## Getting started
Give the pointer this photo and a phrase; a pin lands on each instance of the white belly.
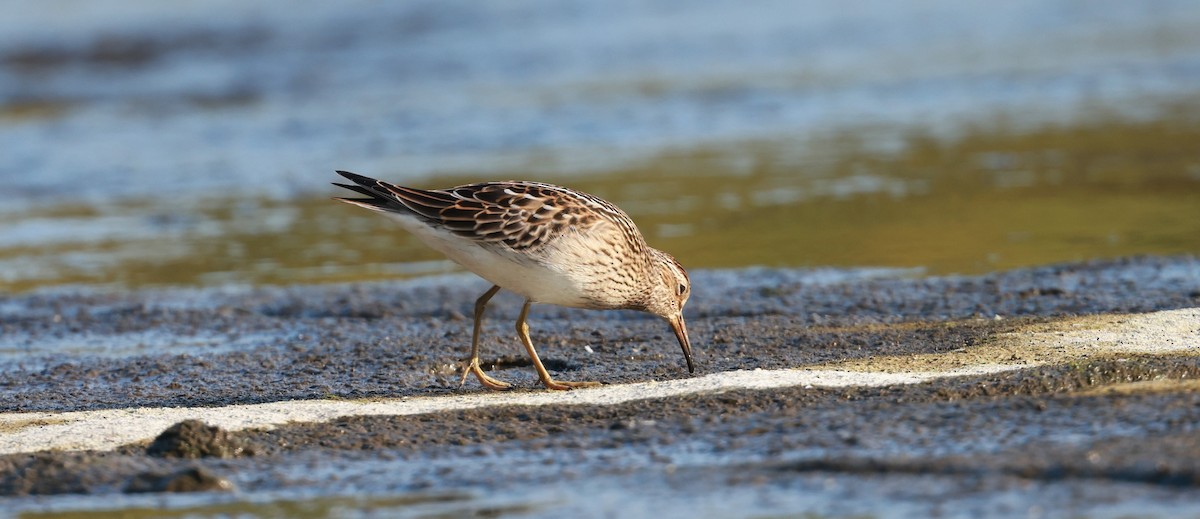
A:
(507, 270)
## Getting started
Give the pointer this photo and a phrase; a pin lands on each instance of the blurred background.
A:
(149, 143)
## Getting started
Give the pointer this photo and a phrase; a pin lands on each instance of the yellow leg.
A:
(550, 383)
(473, 363)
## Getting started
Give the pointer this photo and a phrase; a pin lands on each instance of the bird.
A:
(547, 243)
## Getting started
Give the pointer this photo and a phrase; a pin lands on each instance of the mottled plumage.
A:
(547, 243)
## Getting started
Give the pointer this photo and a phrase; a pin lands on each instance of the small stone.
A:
(191, 439)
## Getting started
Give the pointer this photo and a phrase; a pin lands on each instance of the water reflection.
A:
(148, 144)
(988, 200)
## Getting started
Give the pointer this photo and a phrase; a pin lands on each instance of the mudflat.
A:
(1070, 386)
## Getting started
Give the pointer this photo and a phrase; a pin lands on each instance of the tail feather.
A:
(373, 204)
(361, 180)
(391, 198)
(357, 189)
(379, 199)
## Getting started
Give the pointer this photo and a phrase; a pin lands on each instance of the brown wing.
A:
(521, 215)
(518, 214)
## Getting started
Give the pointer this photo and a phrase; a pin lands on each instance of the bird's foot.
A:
(484, 379)
(559, 385)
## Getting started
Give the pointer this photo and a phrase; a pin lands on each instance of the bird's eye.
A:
(682, 289)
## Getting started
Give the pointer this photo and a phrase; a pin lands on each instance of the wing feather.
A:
(518, 215)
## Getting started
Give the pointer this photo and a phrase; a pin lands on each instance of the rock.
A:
(192, 439)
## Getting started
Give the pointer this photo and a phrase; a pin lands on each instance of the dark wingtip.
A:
(356, 178)
(357, 189)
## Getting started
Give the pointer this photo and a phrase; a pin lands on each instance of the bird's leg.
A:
(550, 383)
(473, 364)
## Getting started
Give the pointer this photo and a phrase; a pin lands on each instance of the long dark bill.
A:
(684, 342)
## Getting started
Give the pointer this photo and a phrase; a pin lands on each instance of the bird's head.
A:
(671, 289)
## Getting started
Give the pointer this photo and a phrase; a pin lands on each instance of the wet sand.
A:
(1083, 426)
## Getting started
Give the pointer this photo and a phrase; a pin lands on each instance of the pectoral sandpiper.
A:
(547, 243)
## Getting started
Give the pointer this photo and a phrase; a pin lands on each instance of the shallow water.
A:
(669, 493)
(193, 145)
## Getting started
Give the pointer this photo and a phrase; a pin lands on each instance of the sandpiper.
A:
(547, 243)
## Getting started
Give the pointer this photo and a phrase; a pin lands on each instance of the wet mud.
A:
(406, 339)
(1045, 424)
(1103, 418)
